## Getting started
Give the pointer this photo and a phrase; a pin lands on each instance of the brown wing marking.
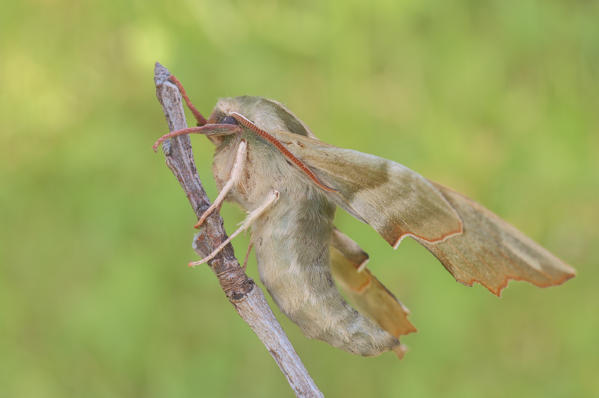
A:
(393, 199)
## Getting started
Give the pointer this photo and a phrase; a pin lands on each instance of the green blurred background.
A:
(497, 99)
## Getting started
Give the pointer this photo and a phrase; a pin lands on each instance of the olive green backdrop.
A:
(497, 99)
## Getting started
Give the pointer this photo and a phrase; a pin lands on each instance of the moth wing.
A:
(393, 199)
(471, 242)
(491, 251)
(365, 291)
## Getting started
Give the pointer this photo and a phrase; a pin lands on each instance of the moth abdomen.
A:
(311, 300)
(294, 265)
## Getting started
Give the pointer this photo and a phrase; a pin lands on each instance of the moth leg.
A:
(254, 214)
(247, 256)
(233, 179)
(200, 119)
(207, 129)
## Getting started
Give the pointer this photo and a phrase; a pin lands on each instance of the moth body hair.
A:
(291, 242)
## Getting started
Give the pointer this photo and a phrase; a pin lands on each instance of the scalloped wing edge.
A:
(492, 252)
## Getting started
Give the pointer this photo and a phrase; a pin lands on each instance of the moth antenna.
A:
(274, 196)
(196, 114)
(248, 123)
(205, 129)
(233, 179)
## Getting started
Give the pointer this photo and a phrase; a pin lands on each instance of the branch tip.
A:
(161, 74)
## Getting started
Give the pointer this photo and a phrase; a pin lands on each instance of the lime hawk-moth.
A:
(290, 183)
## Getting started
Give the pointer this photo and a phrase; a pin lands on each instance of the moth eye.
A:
(228, 120)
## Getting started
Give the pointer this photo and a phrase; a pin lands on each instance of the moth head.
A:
(267, 114)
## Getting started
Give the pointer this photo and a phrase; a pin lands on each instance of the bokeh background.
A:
(496, 99)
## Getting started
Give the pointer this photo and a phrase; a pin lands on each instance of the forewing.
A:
(363, 289)
(471, 242)
(391, 198)
(491, 251)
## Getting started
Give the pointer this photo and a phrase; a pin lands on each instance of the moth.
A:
(290, 184)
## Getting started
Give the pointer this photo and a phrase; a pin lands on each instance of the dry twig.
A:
(242, 292)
